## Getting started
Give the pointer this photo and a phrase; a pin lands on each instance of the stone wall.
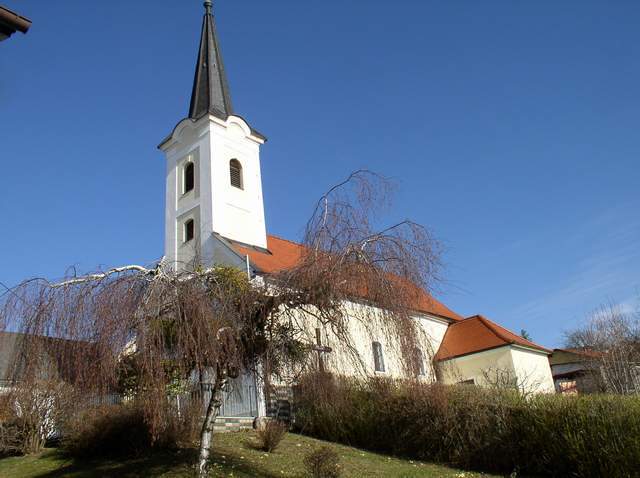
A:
(232, 424)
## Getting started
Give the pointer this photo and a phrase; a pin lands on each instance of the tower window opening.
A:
(189, 177)
(189, 230)
(235, 172)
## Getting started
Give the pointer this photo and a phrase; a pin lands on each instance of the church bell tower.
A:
(213, 180)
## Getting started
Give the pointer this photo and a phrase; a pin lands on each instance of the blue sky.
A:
(511, 129)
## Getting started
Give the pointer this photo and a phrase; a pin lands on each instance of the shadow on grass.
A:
(233, 463)
(150, 465)
(177, 464)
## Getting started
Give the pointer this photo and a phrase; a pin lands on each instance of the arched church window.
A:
(235, 172)
(378, 357)
(189, 177)
(189, 230)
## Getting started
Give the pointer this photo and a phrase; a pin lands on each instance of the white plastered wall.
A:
(366, 324)
(472, 366)
(237, 214)
(189, 142)
(533, 368)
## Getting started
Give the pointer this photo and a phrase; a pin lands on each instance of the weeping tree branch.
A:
(103, 275)
(170, 324)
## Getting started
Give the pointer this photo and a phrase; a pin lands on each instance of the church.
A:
(214, 214)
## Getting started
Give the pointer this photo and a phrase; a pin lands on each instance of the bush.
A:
(29, 416)
(552, 435)
(12, 440)
(323, 463)
(123, 431)
(270, 434)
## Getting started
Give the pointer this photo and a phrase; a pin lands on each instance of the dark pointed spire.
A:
(210, 92)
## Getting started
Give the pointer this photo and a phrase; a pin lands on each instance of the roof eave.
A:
(11, 22)
(541, 351)
(465, 354)
(255, 134)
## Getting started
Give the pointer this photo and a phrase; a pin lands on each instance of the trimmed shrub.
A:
(323, 462)
(270, 434)
(475, 428)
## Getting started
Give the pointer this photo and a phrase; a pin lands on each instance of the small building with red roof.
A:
(576, 370)
(481, 352)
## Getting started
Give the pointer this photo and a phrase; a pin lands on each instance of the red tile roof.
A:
(476, 334)
(464, 336)
(282, 255)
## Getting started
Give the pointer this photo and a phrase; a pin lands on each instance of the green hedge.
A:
(551, 435)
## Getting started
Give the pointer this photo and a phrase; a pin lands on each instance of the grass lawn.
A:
(233, 455)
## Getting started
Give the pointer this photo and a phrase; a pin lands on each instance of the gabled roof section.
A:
(572, 355)
(282, 254)
(58, 354)
(477, 334)
(581, 352)
(210, 94)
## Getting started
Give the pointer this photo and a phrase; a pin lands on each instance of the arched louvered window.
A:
(189, 230)
(420, 362)
(235, 172)
(189, 177)
(378, 357)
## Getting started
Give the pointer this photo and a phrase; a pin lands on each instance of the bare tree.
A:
(166, 325)
(524, 384)
(610, 344)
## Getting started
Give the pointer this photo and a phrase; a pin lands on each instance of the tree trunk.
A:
(206, 435)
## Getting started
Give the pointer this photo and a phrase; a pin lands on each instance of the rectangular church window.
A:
(378, 358)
